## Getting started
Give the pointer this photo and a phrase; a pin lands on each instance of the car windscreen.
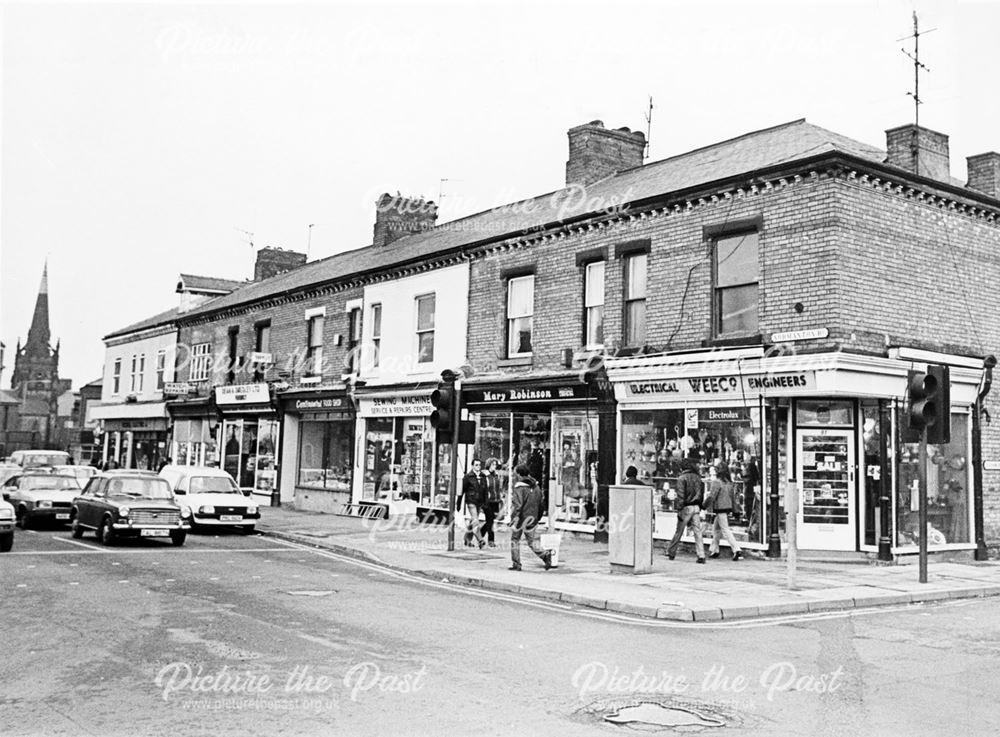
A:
(213, 484)
(45, 459)
(49, 482)
(149, 488)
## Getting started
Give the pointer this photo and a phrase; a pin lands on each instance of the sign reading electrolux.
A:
(398, 405)
(242, 394)
(714, 387)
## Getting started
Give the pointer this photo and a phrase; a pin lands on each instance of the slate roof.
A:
(162, 318)
(752, 151)
(194, 283)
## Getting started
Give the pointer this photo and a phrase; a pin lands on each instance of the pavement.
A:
(680, 590)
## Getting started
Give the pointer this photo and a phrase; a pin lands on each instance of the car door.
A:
(10, 490)
(86, 503)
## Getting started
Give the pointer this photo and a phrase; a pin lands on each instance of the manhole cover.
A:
(661, 712)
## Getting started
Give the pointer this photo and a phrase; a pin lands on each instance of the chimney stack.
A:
(984, 173)
(919, 150)
(596, 152)
(274, 261)
(398, 216)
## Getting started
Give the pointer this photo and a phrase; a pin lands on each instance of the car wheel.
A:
(177, 538)
(6, 542)
(75, 528)
(23, 518)
(105, 533)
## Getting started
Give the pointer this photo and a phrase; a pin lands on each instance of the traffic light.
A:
(443, 416)
(929, 397)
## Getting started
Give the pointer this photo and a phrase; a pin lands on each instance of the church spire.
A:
(38, 333)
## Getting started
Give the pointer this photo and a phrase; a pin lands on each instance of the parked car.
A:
(6, 527)
(129, 504)
(7, 470)
(83, 474)
(30, 458)
(40, 495)
(213, 497)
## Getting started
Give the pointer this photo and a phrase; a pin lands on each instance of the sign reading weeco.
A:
(715, 387)
(242, 394)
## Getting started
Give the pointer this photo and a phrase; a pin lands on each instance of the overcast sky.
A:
(139, 140)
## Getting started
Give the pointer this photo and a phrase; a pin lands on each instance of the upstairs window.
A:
(593, 304)
(116, 377)
(635, 299)
(520, 315)
(737, 276)
(161, 369)
(353, 338)
(376, 333)
(314, 346)
(200, 361)
(262, 344)
(425, 328)
(234, 341)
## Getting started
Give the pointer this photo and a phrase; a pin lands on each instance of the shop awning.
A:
(128, 411)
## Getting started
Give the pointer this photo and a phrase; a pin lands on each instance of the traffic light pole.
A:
(922, 513)
(453, 450)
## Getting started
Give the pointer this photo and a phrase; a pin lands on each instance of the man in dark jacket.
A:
(474, 494)
(526, 510)
(689, 499)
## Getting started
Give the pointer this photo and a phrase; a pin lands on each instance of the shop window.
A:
(200, 360)
(325, 454)
(161, 369)
(593, 304)
(809, 412)
(425, 328)
(872, 433)
(949, 484)
(399, 461)
(635, 299)
(116, 377)
(376, 316)
(575, 467)
(314, 345)
(736, 284)
(493, 443)
(520, 315)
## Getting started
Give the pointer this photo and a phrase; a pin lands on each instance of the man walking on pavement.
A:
(525, 512)
(689, 499)
(474, 492)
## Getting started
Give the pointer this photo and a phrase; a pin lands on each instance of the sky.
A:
(141, 141)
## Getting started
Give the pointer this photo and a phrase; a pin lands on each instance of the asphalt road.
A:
(246, 635)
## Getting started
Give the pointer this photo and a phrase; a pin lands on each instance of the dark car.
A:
(40, 495)
(123, 504)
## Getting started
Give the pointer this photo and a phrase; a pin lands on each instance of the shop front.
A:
(399, 464)
(250, 435)
(551, 425)
(195, 432)
(831, 423)
(134, 434)
(317, 456)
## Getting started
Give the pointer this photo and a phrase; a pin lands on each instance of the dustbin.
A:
(630, 529)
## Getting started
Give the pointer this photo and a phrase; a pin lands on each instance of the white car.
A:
(6, 526)
(40, 496)
(212, 496)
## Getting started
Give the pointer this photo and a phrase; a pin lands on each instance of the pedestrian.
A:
(689, 499)
(474, 494)
(632, 477)
(164, 463)
(720, 500)
(525, 513)
(491, 507)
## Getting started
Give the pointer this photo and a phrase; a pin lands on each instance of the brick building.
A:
(756, 303)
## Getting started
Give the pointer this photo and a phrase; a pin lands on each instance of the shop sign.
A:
(119, 425)
(730, 414)
(726, 386)
(242, 394)
(319, 405)
(793, 335)
(525, 394)
(419, 404)
(259, 357)
(991, 465)
(179, 388)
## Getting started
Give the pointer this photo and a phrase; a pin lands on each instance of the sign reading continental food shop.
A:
(718, 387)
(242, 394)
(319, 405)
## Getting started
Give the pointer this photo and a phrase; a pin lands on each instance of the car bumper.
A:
(123, 529)
(230, 521)
(6, 525)
(55, 514)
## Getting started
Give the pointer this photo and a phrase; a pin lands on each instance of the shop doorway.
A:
(825, 465)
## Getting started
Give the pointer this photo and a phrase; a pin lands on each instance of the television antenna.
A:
(917, 66)
(248, 235)
(649, 126)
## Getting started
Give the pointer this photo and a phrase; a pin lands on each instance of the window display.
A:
(575, 467)
(948, 489)
(399, 460)
(325, 454)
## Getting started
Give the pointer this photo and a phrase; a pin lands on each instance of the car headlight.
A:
(185, 512)
(124, 511)
(6, 514)
(44, 504)
(251, 510)
(207, 509)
